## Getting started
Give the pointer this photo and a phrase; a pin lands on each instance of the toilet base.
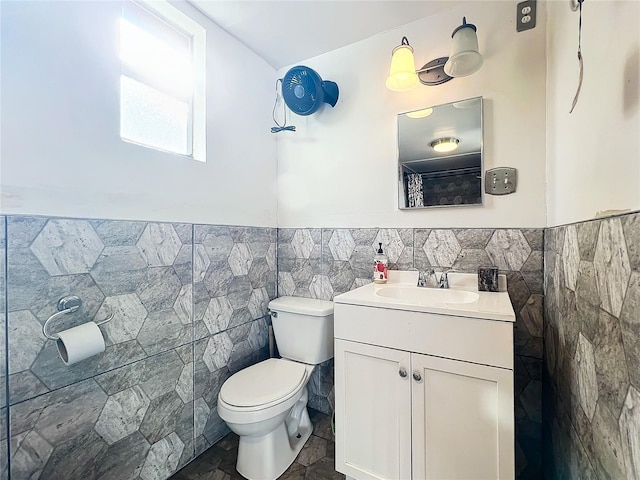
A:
(266, 457)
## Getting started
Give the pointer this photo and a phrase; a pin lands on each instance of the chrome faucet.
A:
(423, 277)
(444, 278)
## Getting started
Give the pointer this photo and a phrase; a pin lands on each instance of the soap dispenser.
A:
(380, 264)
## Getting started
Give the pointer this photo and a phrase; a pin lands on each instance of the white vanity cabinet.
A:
(422, 395)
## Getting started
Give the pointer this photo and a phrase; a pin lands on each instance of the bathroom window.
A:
(162, 84)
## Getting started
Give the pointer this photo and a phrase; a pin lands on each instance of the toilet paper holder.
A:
(67, 305)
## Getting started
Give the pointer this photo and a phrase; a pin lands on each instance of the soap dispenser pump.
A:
(380, 264)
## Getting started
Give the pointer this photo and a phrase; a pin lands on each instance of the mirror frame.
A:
(401, 190)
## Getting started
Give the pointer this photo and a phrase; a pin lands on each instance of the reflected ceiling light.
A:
(402, 74)
(425, 112)
(446, 144)
(465, 59)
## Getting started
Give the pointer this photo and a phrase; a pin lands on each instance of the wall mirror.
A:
(440, 155)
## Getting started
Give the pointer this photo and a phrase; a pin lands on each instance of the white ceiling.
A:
(285, 32)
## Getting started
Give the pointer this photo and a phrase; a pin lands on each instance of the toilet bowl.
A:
(266, 403)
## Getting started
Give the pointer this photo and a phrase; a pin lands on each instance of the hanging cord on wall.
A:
(280, 127)
(580, 61)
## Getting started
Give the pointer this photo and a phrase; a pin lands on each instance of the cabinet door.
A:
(373, 411)
(462, 420)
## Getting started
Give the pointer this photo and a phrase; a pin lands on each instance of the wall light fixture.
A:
(463, 60)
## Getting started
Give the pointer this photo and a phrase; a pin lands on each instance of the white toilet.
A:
(266, 403)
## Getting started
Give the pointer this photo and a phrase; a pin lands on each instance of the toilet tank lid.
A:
(301, 305)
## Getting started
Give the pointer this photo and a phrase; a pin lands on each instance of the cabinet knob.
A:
(402, 373)
(417, 377)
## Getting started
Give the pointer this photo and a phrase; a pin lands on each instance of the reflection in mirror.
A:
(440, 155)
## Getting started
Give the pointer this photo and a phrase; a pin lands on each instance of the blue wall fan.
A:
(304, 91)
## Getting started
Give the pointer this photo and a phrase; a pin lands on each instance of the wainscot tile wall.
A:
(592, 350)
(190, 305)
(322, 263)
(4, 446)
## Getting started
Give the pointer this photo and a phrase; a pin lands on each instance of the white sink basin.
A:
(426, 296)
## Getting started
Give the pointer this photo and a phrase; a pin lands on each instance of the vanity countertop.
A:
(462, 299)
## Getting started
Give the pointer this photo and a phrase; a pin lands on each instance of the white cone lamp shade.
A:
(402, 75)
(465, 58)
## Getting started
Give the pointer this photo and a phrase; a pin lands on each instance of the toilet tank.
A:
(303, 328)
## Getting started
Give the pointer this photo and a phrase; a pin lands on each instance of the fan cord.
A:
(280, 127)
(580, 60)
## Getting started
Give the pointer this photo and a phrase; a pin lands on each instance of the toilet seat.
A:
(264, 384)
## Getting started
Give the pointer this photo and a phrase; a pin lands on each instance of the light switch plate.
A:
(500, 181)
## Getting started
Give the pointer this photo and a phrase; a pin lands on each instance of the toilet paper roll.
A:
(78, 343)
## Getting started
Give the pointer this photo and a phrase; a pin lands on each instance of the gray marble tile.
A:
(62, 414)
(313, 450)
(163, 458)
(629, 424)
(341, 276)
(258, 303)
(393, 243)
(473, 238)
(607, 445)
(586, 380)
(25, 385)
(442, 248)
(84, 449)
(611, 266)
(217, 278)
(361, 262)
(183, 265)
(631, 229)
(571, 258)
(508, 249)
(630, 327)
(217, 241)
(218, 314)
(470, 259)
(122, 414)
(321, 287)
(29, 455)
(22, 231)
(119, 269)
(183, 306)
(123, 459)
(55, 374)
(129, 316)
(26, 277)
(302, 243)
(341, 244)
(587, 238)
(67, 246)
(530, 399)
(159, 244)
(118, 232)
(162, 417)
(26, 340)
(240, 259)
(163, 330)
(532, 315)
(535, 237)
(159, 289)
(201, 262)
(612, 373)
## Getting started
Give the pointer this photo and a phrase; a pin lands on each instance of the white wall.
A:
(340, 168)
(61, 150)
(593, 154)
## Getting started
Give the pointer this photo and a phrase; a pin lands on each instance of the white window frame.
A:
(197, 35)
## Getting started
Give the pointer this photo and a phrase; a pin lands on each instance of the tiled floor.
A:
(315, 461)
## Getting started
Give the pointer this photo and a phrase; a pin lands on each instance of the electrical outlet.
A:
(526, 15)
